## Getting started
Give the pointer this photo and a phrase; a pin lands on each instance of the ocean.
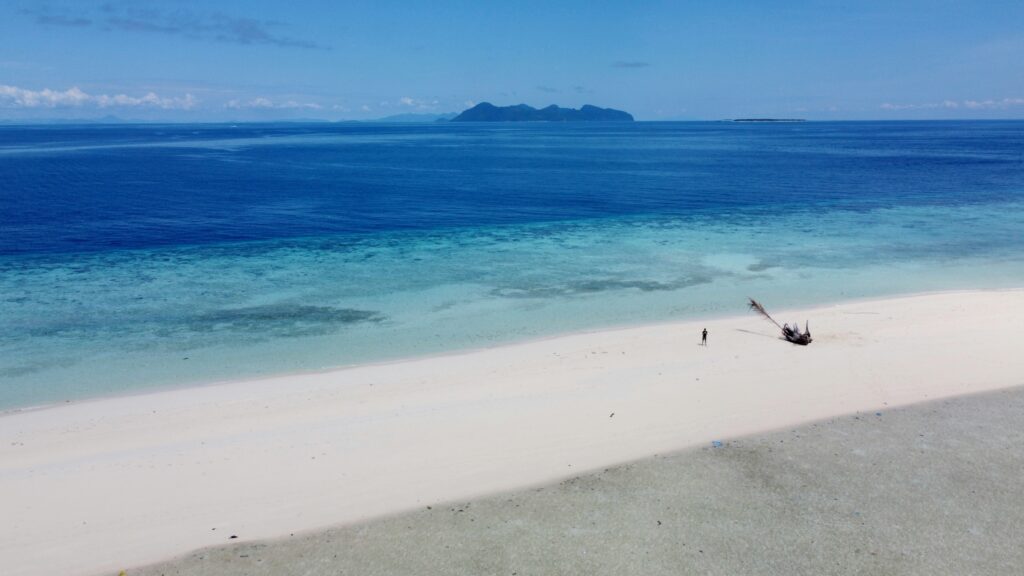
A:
(135, 257)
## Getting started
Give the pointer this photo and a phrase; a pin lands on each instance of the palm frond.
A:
(757, 307)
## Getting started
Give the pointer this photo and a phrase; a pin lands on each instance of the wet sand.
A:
(936, 488)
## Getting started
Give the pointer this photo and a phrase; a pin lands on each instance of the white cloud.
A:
(364, 108)
(994, 104)
(150, 99)
(953, 105)
(74, 97)
(261, 103)
(46, 98)
(418, 104)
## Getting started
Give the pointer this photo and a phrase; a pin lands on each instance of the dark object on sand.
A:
(790, 333)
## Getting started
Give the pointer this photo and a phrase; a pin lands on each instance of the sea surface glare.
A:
(143, 256)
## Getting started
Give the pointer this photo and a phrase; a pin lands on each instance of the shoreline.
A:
(4, 412)
(106, 484)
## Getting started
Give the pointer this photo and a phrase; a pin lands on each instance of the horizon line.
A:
(382, 120)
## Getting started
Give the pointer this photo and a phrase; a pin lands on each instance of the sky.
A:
(234, 60)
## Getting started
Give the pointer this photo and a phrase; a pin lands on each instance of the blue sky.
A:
(185, 60)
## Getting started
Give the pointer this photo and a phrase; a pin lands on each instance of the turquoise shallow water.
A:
(129, 320)
(140, 257)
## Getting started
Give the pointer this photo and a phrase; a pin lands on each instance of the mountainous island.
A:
(487, 112)
(417, 118)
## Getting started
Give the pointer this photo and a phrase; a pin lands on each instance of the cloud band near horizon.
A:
(74, 97)
(989, 104)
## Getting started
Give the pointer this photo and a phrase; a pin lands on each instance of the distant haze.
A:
(221, 60)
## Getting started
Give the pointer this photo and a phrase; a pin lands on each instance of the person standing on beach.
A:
(704, 337)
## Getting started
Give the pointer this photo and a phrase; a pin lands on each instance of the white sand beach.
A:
(98, 486)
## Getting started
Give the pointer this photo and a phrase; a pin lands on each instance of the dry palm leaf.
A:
(756, 306)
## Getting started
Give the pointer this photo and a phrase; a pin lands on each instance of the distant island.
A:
(768, 120)
(487, 112)
(417, 118)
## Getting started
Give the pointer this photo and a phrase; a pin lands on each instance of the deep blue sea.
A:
(142, 256)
